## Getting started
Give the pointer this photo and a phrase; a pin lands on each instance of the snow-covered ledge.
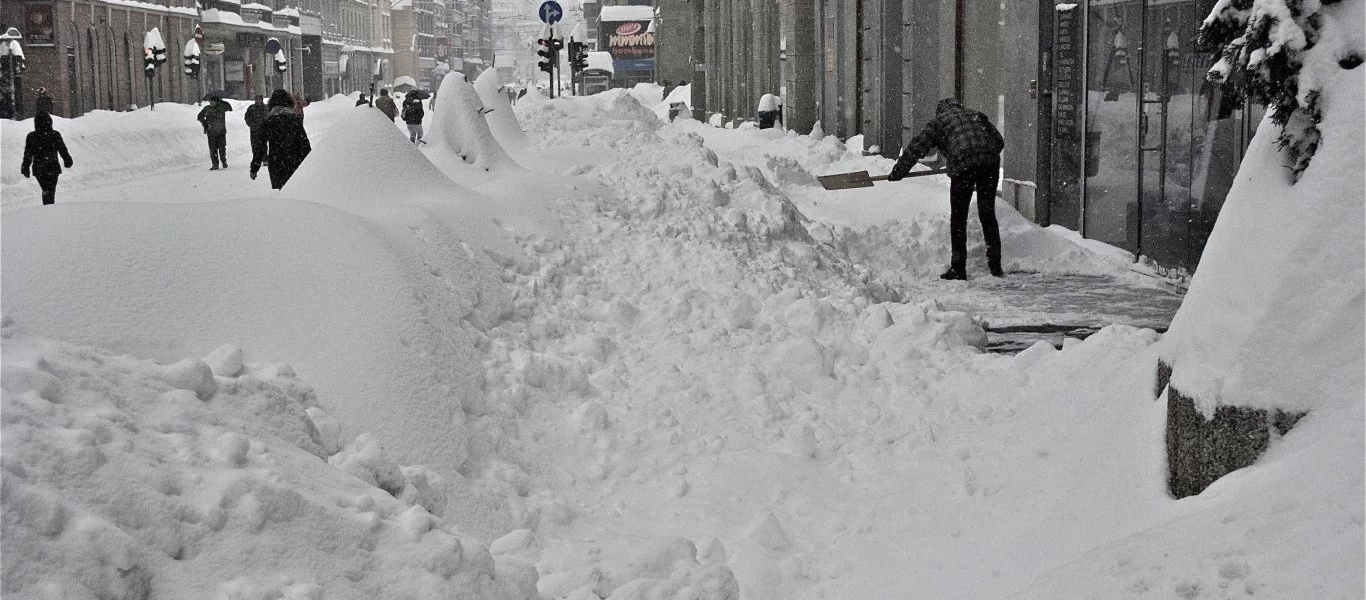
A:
(1272, 328)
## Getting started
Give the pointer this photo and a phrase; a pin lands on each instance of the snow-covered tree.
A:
(1264, 47)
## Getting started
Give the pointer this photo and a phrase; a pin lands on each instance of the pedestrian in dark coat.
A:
(41, 149)
(972, 146)
(413, 115)
(286, 141)
(213, 118)
(386, 105)
(363, 101)
(256, 115)
(44, 102)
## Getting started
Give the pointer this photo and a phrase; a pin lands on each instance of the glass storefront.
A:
(1162, 144)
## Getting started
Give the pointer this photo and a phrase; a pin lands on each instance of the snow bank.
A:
(1274, 316)
(376, 315)
(460, 141)
(502, 121)
(152, 488)
(366, 166)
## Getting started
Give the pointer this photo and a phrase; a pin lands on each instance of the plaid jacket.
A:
(966, 138)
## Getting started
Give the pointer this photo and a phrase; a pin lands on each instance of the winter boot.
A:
(995, 266)
(954, 274)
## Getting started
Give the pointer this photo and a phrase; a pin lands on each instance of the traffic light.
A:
(578, 56)
(547, 53)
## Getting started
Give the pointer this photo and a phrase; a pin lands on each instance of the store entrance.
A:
(1161, 144)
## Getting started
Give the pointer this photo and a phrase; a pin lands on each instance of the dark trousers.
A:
(218, 148)
(258, 145)
(48, 183)
(982, 180)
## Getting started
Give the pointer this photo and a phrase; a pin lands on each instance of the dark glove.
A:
(253, 174)
(898, 173)
(24, 171)
(69, 162)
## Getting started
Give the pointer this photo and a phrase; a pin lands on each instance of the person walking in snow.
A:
(256, 115)
(413, 115)
(44, 102)
(972, 146)
(386, 105)
(286, 142)
(363, 101)
(41, 149)
(213, 117)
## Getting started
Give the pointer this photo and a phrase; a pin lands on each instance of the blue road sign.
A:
(550, 12)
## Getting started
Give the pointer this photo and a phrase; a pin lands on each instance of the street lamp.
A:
(11, 49)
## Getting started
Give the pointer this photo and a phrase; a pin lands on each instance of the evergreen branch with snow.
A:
(1262, 46)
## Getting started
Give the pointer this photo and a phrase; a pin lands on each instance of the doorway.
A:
(1161, 143)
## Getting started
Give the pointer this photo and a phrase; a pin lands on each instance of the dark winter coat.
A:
(386, 105)
(966, 139)
(41, 149)
(256, 114)
(213, 116)
(413, 113)
(286, 145)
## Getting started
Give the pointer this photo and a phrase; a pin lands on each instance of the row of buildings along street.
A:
(88, 54)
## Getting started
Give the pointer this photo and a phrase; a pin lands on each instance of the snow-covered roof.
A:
(148, 6)
(626, 13)
(214, 15)
(600, 60)
(260, 7)
(288, 12)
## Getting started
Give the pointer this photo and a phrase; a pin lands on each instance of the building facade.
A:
(89, 56)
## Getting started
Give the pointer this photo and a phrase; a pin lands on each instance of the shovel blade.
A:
(844, 181)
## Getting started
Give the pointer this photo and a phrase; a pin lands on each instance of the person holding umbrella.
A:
(413, 114)
(213, 118)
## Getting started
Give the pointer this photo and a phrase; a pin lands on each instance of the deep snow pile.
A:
(502, 122)
(1278, 300)
(460, 141)
(381, 319)
(125, 478)
(688, 392)
(392, 179)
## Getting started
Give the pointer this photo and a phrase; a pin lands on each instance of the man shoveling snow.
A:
(972, 146)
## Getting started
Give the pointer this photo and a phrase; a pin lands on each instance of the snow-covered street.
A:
(610, 357)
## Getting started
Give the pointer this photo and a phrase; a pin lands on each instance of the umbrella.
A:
(418, 95)
(215, 95)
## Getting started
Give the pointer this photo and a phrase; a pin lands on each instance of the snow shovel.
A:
(860, 179)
